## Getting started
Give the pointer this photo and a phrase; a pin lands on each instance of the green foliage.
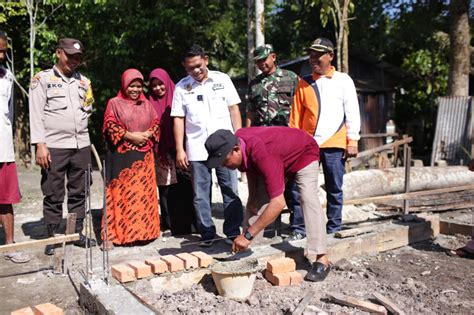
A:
(145, 34)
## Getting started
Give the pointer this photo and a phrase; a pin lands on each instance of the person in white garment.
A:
(10, 191)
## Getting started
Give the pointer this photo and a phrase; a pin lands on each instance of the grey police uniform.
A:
(59, 110)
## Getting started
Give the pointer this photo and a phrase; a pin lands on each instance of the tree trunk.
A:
(344, 27)
(251, 70)
(259, 25)
(32, 11)
(459, 63)
(259, 22)
(345, 50)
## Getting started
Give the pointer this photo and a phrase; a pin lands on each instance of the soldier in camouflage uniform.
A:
(270, 96)
(271, 92)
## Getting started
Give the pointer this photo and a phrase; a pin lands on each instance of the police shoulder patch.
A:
(34, 82)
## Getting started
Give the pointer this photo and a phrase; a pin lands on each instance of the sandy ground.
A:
(421, 278)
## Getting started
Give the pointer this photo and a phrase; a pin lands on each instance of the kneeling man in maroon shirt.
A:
(271, 154)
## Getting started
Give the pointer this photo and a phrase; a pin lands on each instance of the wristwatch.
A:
(248, 236)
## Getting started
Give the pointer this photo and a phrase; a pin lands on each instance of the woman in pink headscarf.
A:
(176, 193)
(131, 129)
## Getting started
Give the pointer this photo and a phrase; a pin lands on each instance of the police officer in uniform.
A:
(60, 104)
(270, 95)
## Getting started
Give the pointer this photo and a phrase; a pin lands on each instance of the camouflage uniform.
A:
(270, 97)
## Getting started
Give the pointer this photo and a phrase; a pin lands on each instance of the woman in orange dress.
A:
(131, 129)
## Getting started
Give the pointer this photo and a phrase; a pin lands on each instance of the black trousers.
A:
(72, 164)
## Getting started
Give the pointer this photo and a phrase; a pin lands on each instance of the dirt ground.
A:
(419, 278)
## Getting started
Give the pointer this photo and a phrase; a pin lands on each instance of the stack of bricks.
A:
(134, 270)
(41, 309)
(282, 272)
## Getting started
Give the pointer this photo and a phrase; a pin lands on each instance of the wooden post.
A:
(407, 158)
(70, 229)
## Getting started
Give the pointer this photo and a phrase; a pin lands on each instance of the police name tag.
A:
(217, 86)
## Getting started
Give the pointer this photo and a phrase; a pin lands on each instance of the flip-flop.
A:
(17, 257)
(461, 252)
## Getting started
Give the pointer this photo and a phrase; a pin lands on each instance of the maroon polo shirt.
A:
(275, 153)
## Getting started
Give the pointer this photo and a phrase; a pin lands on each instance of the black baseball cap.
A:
(70, 45)
(322, 44)
(218, 145)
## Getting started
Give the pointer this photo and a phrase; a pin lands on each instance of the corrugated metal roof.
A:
(453, 130)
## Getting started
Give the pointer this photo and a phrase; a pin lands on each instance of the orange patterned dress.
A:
(131, 196)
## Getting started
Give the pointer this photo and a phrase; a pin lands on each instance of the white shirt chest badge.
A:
(217, 86)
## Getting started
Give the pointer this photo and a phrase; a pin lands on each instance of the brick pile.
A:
(133, 270)
(282, 272)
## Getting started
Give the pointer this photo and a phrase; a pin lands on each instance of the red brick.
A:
(189, 260)
(47, 309)
(157, 265)
(281, 265)
(295, 278)
(141, 269)
(204, 259)
(123, 273)
(280, 279)
(173, 262)
(23, 311)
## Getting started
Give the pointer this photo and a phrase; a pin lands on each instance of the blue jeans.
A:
(332, 160)
(201, 178)
(292, 197)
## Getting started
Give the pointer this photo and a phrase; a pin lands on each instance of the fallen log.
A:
(373, 182)
(410, 195)
(359, 304)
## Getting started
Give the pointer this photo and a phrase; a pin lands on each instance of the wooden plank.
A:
(451, 227)
(359, 304)
(403, 196)
(450, 206)
(71, 220)
(378, 135)
(303, 303)
(368, 153)
(393, 236)
(389, 304)
(39, 243)
(359, 231)
(406, 202)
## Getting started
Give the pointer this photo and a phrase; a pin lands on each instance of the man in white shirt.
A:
(10, 192)
(204, 102)
(326, 107)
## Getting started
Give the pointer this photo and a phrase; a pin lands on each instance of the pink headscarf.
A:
(163, 109)
(128, 76)
(132, 115)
